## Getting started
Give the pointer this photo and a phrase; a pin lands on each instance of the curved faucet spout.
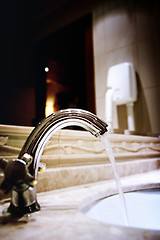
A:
(35, 145)
(47, 127)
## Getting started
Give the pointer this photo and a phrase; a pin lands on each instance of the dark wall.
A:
(17, 70)
(26, 26)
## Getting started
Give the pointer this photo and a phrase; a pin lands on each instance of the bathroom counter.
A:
(61, 217)
(79, 173)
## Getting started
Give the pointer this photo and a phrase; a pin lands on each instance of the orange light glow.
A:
(49, 109)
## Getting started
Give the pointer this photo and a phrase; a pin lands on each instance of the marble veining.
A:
(61, 217)
(78, 173)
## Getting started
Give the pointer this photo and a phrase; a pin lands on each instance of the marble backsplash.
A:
(76, 157)
(71, 147)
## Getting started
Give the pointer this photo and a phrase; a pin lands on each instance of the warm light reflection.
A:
(49, 109)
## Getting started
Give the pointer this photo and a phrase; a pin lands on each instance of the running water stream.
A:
(108, 148)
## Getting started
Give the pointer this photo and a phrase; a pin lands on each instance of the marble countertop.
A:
(61, 217)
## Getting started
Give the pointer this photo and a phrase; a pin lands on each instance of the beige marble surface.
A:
(57, 178)
(61, 217)
(70, 147)
(76, 157)
(79, 173)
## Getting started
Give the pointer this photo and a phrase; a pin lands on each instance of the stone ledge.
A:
(67, 147)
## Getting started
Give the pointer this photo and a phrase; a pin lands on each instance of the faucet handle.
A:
(15, 173)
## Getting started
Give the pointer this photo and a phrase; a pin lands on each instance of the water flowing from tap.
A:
(108, 148)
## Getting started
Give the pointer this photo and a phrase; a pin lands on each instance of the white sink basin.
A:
(143, 209)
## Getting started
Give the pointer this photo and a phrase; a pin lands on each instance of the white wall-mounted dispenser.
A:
(121, 89)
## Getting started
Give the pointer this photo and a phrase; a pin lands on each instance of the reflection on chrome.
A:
(21, 174)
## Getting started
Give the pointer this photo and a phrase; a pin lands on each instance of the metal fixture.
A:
(20, 175)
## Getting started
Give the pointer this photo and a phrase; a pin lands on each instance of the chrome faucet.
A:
(20, 175)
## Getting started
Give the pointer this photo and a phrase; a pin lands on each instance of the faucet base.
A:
(20, 211)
